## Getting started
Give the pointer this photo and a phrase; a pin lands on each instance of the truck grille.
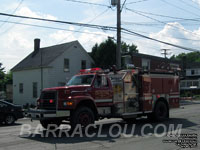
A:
(48, 100)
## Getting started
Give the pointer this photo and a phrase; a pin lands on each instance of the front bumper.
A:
(38, 114)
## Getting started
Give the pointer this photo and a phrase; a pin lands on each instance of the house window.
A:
(146, 64)
(196, 83)
(21, 88)
(189, 83)
(35, 87)
(66, 65)
(192, 72)
(183, 84)
(83, 64)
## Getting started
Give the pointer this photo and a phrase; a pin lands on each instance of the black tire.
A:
(161, 111)
(83, 116)
(9, 119)
(46, 123)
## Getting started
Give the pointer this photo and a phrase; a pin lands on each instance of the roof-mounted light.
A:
(91, 70)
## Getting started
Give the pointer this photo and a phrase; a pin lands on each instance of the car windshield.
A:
(81, 80)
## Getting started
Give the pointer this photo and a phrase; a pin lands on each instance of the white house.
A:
(47, 67)
(190, 84)
(192, 77)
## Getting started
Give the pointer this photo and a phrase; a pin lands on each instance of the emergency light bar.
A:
(91, 70)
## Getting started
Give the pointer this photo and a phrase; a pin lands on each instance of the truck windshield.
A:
(81, 80)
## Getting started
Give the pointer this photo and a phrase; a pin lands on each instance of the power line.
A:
(162, 22)
(90, 3)
(136, 2)
(156, 24)
(89, 21)
(165, 53)
(123, 5)
(64, 22)
(110, 28)
(180, 38)
(185, 10)
(12, 12)
(188, 4)
(151, 24)
(48, 27)
(163, 42)
(165, 16)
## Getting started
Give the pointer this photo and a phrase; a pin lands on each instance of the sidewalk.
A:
(189, 102)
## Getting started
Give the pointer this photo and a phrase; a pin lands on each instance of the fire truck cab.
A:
(94, 94)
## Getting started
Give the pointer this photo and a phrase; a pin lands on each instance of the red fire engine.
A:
(94, 94)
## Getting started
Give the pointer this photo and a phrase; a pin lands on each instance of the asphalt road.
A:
(188, 116)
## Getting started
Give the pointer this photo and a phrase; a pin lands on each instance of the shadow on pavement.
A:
(139, 124)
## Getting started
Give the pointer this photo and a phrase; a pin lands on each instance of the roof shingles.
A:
(48, 55)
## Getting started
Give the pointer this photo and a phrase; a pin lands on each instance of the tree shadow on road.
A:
(143, 127)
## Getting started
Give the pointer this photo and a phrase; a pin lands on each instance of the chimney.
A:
(36, 47)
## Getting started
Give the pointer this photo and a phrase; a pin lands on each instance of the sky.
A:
(172, 21)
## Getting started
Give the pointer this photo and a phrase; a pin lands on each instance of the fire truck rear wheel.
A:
(50, 124)
(83, 116)
(161, 111)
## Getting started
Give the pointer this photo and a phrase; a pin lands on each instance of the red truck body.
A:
(93, 94)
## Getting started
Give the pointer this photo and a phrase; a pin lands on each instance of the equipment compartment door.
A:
(148, 86)
(130, 94)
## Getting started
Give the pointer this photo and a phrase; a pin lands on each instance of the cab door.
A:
(103, 90)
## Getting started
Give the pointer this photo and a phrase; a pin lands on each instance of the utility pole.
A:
(165, 53)
(118, 50)
(41, 62)
(117, 3)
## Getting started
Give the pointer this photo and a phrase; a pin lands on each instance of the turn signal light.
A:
(68, 103)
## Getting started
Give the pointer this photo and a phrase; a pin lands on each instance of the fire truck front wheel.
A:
(83, 116)
(161, 111)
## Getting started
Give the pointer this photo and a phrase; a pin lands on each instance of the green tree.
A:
(189, 57)
(104, 54)
(2, 76)
(8, 78)
(126, 48)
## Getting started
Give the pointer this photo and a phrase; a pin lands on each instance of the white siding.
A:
(193, 72)
(75, 55)
(27, 77)
(190, 84)
(51, 76)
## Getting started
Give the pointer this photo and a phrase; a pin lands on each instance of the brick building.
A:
(152, 63)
